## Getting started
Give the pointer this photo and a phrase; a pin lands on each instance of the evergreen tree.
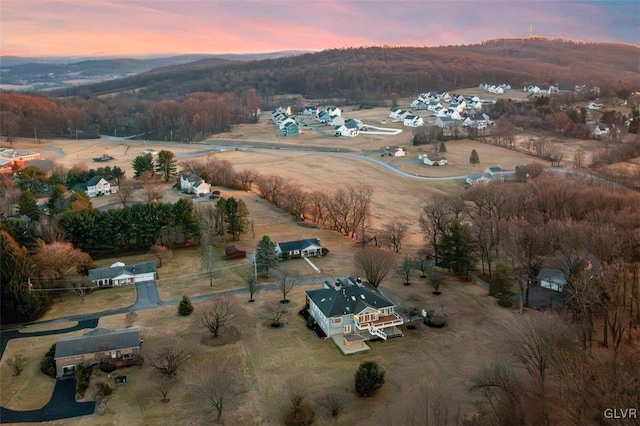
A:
(474, 158)
(57, 203)
(18, 303)
(143, 163)
(80, 201)
(27, 205)
(236, 218)
(266, 254)
(369, 378)
(443, 147)
(166, 165)
(185, 308)
(457, 248)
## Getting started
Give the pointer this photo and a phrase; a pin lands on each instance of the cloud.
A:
(137, 27)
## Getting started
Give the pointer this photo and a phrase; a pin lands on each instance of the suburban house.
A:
(194, 184)
(474, 178)
(334, 111)
(354, 311)
(100, 344)
(349, 128)
(433, 160)
(600, 130)
(552, 279)
(495, 172)
(323, 117)
(120, 274)
(446, 123)
(97, 186)
(478, 121)
(310, 110)
(290, 128)
(284, 122)
(395, 151)
(412, 120)
(300, 248)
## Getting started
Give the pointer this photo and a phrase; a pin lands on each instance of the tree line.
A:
(189, 118)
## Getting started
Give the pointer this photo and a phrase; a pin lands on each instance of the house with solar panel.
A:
(351, 312)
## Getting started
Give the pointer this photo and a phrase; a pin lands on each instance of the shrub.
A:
(369, 378)
(82, 376)
(17, 364)
(107, 367)
(185, 308)
(48, 364)
(103, 389)
(311, 322)
(436, 319)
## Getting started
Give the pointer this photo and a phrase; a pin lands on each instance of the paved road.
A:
(62, 405)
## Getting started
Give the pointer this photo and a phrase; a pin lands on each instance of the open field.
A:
(441, 361)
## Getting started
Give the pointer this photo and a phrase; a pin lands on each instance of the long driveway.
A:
(62, 405)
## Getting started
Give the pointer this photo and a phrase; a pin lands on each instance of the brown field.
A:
(438, 362)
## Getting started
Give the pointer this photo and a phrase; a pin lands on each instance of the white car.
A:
(150, 151)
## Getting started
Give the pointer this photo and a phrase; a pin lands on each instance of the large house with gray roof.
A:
(120, 274)
(100, 344)
(97, 186)
(354, 309)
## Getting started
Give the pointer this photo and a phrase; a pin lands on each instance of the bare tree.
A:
(151, 185)
(246, 178)
(125, 191)
(169, 360)
(252, 286)
(422, 258)
(405, 268)
(81, 287)
(374, 264)
(501, 390)
(434, 219)
(217, 386)
(393, 234)
(435, 277)
(220, 313)
(130, 318)
(271, 187)
(164, 385)
(161, 253)
(58, 258)
(285, 285)
(17, 364)
(275, 313)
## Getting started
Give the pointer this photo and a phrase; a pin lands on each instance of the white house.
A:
(334, 111)
(395, 151)
(345, 130)
(601, 130)
(282, 124)
(411, 120)
(300, 248)
(310, 110)
(446, 122)
(477, 121)
(353, 308)
(594, 106)
(193, 184)
(119, 274)
(433, 160)
(97, 186)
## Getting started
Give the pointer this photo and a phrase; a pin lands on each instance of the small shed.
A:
(233, 252)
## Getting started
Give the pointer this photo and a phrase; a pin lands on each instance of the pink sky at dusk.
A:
(161, 27)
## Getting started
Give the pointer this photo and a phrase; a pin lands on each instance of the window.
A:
(347, 328)
(337, 320)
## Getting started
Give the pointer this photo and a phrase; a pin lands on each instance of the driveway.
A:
(146, 294)
(62, 405)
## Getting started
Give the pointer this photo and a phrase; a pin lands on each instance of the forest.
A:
(191, 101)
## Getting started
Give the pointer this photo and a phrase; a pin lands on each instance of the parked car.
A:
(120, 379)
